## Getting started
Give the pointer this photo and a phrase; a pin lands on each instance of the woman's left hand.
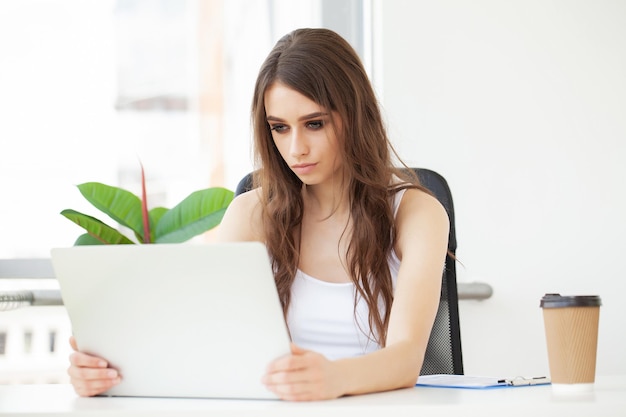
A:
(303, 376)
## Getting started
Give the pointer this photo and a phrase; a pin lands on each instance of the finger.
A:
(81, 359)
(292, 391)
(73, 343)
(92, 374)
(297, 350)
(94, 387)
(287, 364)
(301, 359)
(286, 378)
(288, 361)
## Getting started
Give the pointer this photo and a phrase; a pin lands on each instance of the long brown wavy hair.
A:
(322, 66)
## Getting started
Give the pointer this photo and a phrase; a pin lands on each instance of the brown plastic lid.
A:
(560, 301)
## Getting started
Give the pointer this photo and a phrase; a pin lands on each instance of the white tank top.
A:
(322, 317)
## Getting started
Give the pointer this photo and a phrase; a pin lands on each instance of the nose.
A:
(298, 145)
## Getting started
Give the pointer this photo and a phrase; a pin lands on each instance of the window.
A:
(92, 87)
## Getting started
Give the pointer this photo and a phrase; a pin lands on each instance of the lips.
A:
(302, 169)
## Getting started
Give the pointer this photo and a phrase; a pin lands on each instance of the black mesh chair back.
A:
(443, 353)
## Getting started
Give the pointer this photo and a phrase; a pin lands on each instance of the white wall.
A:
(521, 105)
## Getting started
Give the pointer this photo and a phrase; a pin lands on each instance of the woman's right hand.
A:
(89, 374)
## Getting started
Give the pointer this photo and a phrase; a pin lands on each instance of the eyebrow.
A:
(305, 117)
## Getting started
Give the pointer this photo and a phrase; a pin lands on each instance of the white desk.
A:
(608, 399)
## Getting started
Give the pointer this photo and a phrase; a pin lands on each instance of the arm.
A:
(422, 225)
(422, 244)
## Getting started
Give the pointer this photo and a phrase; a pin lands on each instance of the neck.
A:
(325, 201)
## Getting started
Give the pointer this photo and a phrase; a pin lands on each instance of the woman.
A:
(357, 249)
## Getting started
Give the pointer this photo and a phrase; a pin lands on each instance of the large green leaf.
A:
(122, 206)
(200, 211)
(155, 215)
(87, 239)
(96, 228)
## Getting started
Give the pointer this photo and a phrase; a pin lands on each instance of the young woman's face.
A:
(304, 134)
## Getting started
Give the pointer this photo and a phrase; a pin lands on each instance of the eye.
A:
(315, 124)
(278, 128)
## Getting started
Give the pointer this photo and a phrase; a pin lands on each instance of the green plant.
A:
(201, 211)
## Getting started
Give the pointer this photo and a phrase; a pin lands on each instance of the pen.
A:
(538, 380)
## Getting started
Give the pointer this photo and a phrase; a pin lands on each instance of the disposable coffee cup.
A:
(571, 326)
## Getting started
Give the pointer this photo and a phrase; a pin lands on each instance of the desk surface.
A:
(607, 399)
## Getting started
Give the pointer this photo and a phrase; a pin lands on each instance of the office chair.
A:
(443, 352)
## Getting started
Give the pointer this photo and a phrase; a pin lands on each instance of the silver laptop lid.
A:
(177, 320)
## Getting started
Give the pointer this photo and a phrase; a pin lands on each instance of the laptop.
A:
(176, 320)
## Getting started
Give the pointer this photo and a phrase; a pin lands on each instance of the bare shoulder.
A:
(419, 204)
(248, 200)
(421, 217)
(242, 220)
